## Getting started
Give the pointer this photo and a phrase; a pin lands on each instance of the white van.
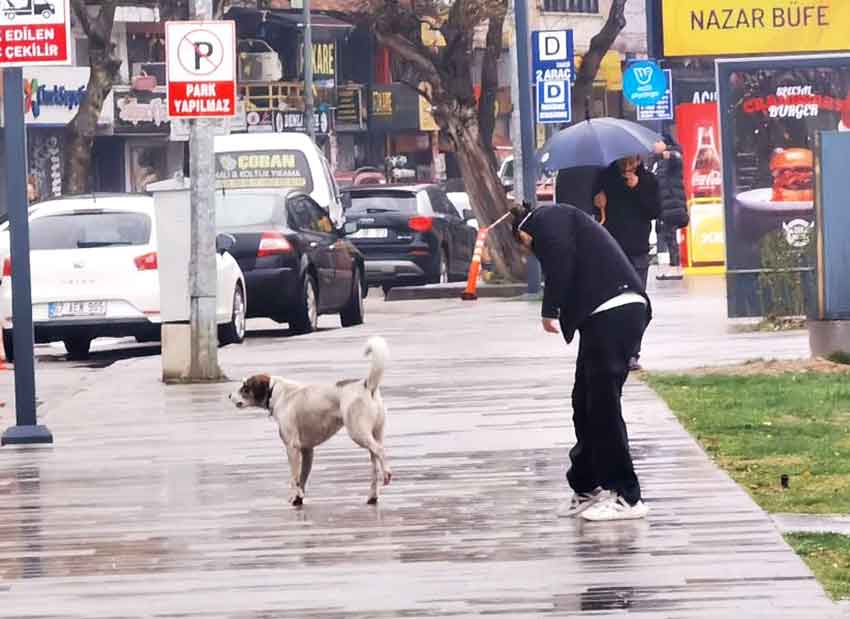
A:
(277, 161)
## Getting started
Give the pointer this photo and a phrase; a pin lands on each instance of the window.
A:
(319, 220)
(571, 6)
(89, 229)
(382, 202)
(237, 209)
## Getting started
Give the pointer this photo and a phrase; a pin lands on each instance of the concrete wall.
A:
(585, 26)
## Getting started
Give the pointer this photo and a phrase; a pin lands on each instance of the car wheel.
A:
(306, 317)
(78, 347)
(352, 313)
(8, 346)
(234, 331)
(47, 13)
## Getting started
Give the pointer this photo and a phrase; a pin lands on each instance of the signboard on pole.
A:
(644, 83)
(201, 69)
(554, 102)
(33, 33)
(553, 68)
(663, 110)
(553, 56)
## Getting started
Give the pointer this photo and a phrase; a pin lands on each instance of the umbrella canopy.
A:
(596, 142)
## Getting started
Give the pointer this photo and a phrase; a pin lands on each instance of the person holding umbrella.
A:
(610, 314)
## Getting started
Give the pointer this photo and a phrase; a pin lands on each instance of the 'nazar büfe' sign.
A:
(733, 27)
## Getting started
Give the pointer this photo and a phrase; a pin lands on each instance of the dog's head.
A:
(255, 391)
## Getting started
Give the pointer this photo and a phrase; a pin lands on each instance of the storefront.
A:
(52, 98)
(141, 122)
(401, 119)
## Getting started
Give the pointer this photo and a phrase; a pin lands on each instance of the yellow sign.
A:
(382, 103)
(728, 27)
(324, 59)
(610, 70)
(431, 35)
(706, 237)
(426, 117)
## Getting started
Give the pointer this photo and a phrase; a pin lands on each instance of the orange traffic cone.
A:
(475, 267)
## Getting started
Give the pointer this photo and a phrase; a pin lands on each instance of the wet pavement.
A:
(168, 502)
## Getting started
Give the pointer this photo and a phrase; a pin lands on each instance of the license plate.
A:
(70, 309)
(370, 233)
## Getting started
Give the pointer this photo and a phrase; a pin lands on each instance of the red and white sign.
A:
(201, 69)
(35, 32)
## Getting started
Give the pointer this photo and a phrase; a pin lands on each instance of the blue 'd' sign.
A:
(644, 83)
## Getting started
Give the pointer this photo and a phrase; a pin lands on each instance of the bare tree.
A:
(448, 69)
(97, 20)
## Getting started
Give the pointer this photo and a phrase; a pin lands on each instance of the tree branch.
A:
(406, 50)
(602, 42)
(80, 10)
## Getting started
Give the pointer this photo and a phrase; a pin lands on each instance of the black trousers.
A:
(601, 454)
(641, 264)
(668, 234)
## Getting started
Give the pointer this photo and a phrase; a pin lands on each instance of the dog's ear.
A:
(258, 387)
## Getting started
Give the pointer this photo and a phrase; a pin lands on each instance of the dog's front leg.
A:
(296, 496)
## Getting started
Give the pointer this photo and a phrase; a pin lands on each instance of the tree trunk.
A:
(486, 193)
(490, 85)
(591, 61)
(82, 129)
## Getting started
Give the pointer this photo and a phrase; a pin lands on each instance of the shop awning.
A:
(249, 20)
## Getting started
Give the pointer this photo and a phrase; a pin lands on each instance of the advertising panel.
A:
(771, 111)
(698, 134)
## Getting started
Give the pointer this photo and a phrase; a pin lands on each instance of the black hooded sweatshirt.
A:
(630, 212)
(583, 265)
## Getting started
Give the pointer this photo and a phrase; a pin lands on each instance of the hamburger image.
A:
(793, 175)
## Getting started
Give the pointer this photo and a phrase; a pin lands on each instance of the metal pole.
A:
(529, 166)
(308, 71)
(26, 430)
(203, 364)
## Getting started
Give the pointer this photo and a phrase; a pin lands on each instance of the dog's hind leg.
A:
(306, 466)
(373, 487)
(296, 496)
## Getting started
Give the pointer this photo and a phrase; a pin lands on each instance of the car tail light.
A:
(420, 224)
(7, 267)
(273, 244)
(148, 262)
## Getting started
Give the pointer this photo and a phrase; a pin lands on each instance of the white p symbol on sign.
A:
(553, 46)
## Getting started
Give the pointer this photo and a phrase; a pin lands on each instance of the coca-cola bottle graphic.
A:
(706, 180)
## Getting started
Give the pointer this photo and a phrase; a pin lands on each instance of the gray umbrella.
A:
(596, 142)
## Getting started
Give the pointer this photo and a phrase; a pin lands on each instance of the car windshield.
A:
(237, 209)
(381, 202)
(267, 169)
(88, 229)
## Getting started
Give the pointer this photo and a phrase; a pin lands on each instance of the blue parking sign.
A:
(663, 110)
(552, 56)
(644, 83)
(554, 101)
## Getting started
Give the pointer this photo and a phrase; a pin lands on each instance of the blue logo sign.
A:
(553, 102)
(553, 56)
(663, 110)
(644, 83)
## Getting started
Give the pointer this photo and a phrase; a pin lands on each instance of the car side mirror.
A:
(224, 243)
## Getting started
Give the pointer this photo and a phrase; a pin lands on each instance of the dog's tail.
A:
(378, 351)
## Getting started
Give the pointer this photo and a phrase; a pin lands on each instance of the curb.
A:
(454, 291)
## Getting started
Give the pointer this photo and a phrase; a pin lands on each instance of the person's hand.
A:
(600, 200)
(631, 179)
(550, 325)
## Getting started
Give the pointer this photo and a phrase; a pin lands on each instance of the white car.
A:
(94, 274)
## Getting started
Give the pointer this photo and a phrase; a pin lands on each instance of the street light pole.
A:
(308, 71)
(529, 167)
(26, 430)
(203, 360)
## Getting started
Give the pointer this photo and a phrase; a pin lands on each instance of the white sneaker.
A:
(581, 501)
(615, 508)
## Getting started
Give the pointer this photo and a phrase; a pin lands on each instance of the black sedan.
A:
(410, 235)
(296, 264)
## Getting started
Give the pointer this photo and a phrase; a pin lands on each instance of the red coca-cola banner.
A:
(698, 134)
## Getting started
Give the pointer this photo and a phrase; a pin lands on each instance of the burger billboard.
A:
(771, 110)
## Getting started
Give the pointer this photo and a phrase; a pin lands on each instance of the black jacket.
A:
(574, 186)
(671, 189)
(582, 263)
(630, 212)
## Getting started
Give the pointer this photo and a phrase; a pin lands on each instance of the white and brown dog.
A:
(309, 415)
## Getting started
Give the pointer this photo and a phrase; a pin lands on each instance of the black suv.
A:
(409, 235)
